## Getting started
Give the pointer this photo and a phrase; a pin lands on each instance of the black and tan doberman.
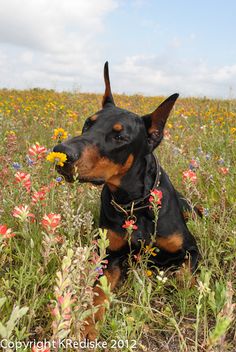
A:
(116, 149)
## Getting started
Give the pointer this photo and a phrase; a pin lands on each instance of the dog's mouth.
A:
(67, 172)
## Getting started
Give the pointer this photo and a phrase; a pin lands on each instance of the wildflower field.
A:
(49, 236)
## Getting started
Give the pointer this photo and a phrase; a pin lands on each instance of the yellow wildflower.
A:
(151, 250)
(233, 130)
(10, 133)
(130, 319)
(72, 114)
(57, 158)
(149, 273)
(59, 134)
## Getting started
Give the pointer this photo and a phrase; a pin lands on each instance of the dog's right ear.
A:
(107, 97)
(155, 122)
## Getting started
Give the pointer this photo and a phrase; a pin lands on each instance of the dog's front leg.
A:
(113, 273)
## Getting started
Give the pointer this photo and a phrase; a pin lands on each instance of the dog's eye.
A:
(121, 137)
(118, 137)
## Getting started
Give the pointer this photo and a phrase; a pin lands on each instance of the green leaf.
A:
(17, 314)
(220, 329)
(3, 331)
(2, 301)
(88, 312)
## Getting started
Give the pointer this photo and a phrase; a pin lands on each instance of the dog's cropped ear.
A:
(155, 122)
(107, 97)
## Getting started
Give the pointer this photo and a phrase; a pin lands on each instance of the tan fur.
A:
(93, 118)
(171, 244)
(117, 127)
(92, 165)
(90, 331)
(116, 241)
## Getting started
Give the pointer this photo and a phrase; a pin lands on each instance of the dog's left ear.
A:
(107, 97)
(155, 122)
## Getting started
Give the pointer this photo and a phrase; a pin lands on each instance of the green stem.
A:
(199, 305)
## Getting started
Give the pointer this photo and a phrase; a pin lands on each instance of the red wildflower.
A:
(24, 179)
(95, 258)
(224, 170)
(47, 188)
(5, 232)
(156, 197)
(190, 176)
(167, 135)
(22, 212)
(22, 176)
(60, 299)
(27, 185)
(39, 196)
(59, 239)
(51, 222)
(130, 225)
(138, 257)
(37, 151)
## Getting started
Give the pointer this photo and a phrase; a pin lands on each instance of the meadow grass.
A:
(47, 274)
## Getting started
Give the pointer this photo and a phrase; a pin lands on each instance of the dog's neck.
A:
(138, 181)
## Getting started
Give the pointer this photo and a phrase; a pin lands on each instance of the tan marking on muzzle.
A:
(91, 165)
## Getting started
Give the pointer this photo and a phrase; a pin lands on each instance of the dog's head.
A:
(112, 140)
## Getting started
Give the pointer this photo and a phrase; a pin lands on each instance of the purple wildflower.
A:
(16, 165)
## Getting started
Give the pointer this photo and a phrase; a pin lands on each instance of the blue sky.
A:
(204, 29)
(153, 47)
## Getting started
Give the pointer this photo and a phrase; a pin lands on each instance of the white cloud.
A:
(49, 25)
(51, 43)
(225, 73)
(176, 42)
(163, 75)
(61, 44)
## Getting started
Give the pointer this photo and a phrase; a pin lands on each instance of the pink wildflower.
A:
(190, 175)
(60, 299)
(138, 257)
(130, 225)
(22, 176)
(156, 197)
(167, 135)
(22, 212)
(5, 232)
(37, 151)
(224, 170)
(51, 222)
(24, 179)
(95, 258)
(59, 239)
(39, 196)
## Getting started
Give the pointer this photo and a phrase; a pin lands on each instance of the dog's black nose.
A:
(63, 148)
